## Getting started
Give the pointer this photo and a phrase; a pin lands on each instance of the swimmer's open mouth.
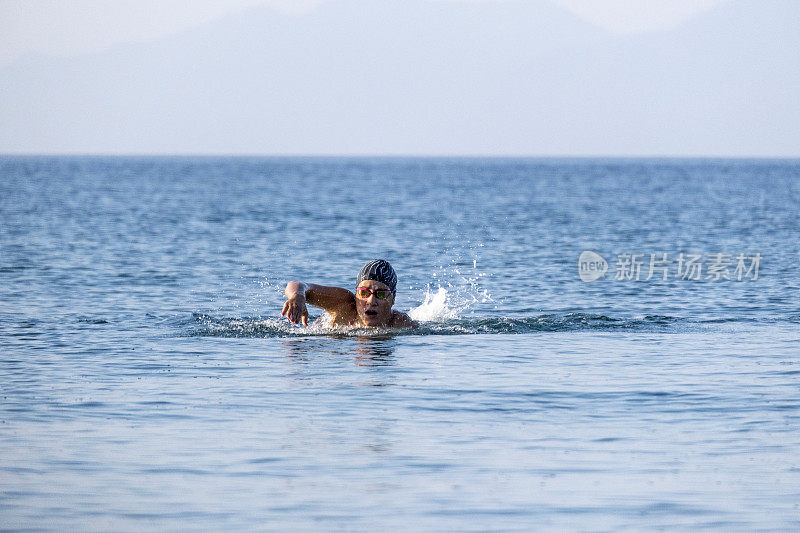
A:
(370, 313)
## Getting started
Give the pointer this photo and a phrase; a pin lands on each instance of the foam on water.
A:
(204, 325)
(441, 312)
(434, 308)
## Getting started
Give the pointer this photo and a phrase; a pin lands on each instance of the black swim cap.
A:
(378, 270)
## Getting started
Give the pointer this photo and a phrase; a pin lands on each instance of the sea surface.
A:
(148, 382)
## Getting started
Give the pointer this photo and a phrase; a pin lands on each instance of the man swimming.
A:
(370, 306)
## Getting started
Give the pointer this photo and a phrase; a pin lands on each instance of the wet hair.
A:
(378, 270)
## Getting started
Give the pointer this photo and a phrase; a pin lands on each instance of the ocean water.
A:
(147, 381)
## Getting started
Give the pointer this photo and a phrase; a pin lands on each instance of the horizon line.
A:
(298, 155)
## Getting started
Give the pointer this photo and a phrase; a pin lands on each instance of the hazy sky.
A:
(70, 27)
(423, 77)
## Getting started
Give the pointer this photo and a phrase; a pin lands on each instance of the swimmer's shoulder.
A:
(344, 317)
(402, 320)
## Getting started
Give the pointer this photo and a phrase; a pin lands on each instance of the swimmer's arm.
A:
(334, 300)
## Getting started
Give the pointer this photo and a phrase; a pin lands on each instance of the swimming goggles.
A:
(380, 294)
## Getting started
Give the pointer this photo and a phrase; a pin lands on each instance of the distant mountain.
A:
(422, 77)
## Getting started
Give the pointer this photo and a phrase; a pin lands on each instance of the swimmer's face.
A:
(373, 311)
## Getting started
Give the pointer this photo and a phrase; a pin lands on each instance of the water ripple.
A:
(204, 325)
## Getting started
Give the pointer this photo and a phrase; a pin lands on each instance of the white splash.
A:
(434, 308)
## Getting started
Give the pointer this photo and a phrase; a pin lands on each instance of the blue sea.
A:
(148, 382)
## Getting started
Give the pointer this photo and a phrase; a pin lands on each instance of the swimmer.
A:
(370, 306)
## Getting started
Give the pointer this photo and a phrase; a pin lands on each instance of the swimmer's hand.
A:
(295, 307)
